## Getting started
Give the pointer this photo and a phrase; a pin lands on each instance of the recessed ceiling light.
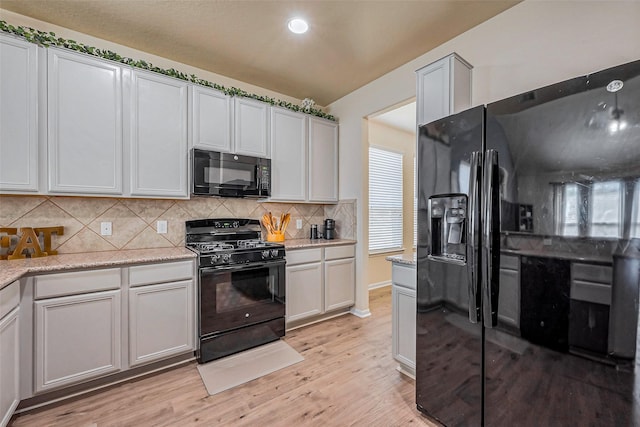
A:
(298, 25)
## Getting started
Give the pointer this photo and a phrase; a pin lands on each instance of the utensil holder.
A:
(276, 236)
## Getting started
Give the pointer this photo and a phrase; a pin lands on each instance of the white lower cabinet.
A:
(9, 352)
(77, 338)
(339, 279)
(160, 321)
(304, 291)
(94, 323)
(161, 311)
(403, 337)
(319, 281)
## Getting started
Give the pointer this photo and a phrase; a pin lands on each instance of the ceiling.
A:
(401, 118)
(578, 133)
(349, 43)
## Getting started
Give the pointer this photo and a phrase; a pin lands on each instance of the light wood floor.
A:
(348, 378)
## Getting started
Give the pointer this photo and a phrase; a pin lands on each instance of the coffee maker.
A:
(329, 229)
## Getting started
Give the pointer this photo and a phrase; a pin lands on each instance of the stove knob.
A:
(226, 257)
(265, 254)
(274, 253)
(236, 224)
(214, 258)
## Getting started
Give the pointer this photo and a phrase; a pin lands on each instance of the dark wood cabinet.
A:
(544, 301)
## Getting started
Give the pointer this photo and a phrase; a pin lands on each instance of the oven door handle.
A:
(251, 266)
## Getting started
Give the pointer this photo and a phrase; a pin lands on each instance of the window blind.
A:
(385, 200)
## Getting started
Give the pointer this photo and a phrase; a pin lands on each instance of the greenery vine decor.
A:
(47, 39)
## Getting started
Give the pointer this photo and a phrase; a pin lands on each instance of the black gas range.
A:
(241, 286)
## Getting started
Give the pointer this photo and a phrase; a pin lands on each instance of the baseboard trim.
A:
(360, 313)
(379, 284)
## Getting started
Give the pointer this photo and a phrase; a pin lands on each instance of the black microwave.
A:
(229, 175)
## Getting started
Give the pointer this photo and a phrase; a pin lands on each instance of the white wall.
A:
(382, 136)
(533, 44)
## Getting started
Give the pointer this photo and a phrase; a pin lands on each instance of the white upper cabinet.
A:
(443, 88)
(304, 157)
(323, 160)
(211, 119)
(158, 136)
(84, 124)
(288, 155)
(251, 134)
(18, 115)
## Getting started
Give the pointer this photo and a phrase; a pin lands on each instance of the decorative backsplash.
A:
(134, 220)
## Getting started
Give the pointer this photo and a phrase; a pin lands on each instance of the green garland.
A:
(47, 39)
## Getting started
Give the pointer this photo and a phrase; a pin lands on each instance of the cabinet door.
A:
(84, 124)
(443, 88)
(288, 155)
(251, 135)
(339, 283)
(544, 301)
(161, 321)
(76, 338)
(323, 160)
(210, 119)
(403, 341)
(9, 366)
(509, 297)
(159, 149)
(304, 291)
(433, 92)
(18, 115)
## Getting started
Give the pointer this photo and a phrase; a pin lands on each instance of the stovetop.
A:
(226, 241)
(211, 247)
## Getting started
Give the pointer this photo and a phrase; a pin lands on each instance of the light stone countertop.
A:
(308, 243)
(403, 259)
(570, 256)
(15, 269)
(592, 259)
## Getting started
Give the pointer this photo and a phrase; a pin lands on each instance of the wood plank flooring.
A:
(348, 378)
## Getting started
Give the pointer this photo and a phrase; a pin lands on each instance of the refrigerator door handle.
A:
(472, 237)
(490, 259)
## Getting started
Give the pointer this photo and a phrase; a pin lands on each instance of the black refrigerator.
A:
(528, 258)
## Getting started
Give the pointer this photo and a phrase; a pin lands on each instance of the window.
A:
(590, 209)
(635, 218)
(385, 200)
(570, 211)
(604, 218)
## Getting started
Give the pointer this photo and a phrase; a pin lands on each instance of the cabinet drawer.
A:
(9, 298)
(78, 282)
(510, 262)
(303, 256)
(404, 276)
(159, 273)
(591, 273)
(337, 252)
(591, 292)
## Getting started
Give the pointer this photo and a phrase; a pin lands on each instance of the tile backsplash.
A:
(134, 220)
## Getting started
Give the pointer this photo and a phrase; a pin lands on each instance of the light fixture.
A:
(611, 118)
(298, 25)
